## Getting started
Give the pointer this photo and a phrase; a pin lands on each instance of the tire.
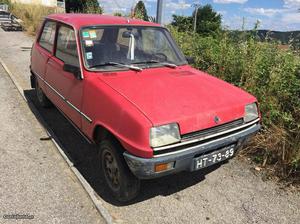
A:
(123, 185)
(42, 98)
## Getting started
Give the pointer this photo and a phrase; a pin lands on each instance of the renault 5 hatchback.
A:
(127, 87)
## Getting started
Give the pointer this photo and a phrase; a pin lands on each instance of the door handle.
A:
(50, 62)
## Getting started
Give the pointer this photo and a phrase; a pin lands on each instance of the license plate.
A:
(214, 157)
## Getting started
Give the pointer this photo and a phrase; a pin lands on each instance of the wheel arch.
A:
(32, 80)
(101, 133)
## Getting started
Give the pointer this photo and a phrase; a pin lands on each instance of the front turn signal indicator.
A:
(161, 167)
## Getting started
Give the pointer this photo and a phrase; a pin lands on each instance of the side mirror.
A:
(190, 60)
(72, 69)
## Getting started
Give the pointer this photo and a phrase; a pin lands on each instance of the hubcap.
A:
(111, 170)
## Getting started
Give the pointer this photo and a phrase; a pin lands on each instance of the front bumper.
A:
(143, 168)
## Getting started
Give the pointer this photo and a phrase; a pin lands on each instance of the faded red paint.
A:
(129, 103)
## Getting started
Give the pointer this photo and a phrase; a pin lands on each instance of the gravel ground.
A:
(229, 194)
(35, 180)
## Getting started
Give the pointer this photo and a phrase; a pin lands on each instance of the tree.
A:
(4, 2)
(140, 11)
(208, 21)
(183, 23)
(74, 6)
(92, 6)
(84, 6)
(118, 14)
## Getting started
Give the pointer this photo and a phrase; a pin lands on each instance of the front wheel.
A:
(121, 182)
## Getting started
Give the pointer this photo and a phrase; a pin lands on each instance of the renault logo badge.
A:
(217, 119)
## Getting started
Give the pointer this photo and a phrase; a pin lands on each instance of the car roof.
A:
(78, 20)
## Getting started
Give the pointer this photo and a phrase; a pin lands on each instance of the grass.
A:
(269, 73)
(31, 15)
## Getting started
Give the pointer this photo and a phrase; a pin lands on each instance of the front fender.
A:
(109, 109)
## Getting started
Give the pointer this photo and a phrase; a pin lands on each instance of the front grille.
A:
(205, 136)
(210, 131)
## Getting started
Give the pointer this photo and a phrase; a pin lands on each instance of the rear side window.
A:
(48, 36)
(66, 48)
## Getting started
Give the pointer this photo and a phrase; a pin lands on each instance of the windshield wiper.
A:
(132, 67)
(170, 65)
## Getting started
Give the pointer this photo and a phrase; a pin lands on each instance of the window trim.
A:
(56, 38)
(41, 33)
(173, 44)
(77, 42)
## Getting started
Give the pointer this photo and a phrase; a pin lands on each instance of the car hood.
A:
(183, 95)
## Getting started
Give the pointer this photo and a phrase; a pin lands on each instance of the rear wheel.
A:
(123, 185)
(42, 98)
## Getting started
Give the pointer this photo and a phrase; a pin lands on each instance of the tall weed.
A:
(269, 73)
(31, 15)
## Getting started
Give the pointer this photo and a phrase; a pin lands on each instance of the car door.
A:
(66, 89)
(42, 51)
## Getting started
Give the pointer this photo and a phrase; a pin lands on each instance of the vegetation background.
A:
(260, 65)
(254, 62)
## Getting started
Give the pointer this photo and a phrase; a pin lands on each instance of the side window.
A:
(48, 36)
(66, 48)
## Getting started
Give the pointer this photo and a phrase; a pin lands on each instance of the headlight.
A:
(251, 112)
(164, 135)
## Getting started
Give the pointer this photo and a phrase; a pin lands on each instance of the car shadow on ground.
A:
(85, 158)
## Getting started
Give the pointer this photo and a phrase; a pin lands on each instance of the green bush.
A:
(7, 2)
(269, 73)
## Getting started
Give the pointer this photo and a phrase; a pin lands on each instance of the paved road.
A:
(230, 194)
(35, 180)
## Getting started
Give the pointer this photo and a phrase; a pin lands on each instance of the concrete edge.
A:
(86, 186)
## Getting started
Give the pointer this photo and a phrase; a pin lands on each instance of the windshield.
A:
(110, 47)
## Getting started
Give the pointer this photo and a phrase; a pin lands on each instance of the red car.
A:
(126, 86)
